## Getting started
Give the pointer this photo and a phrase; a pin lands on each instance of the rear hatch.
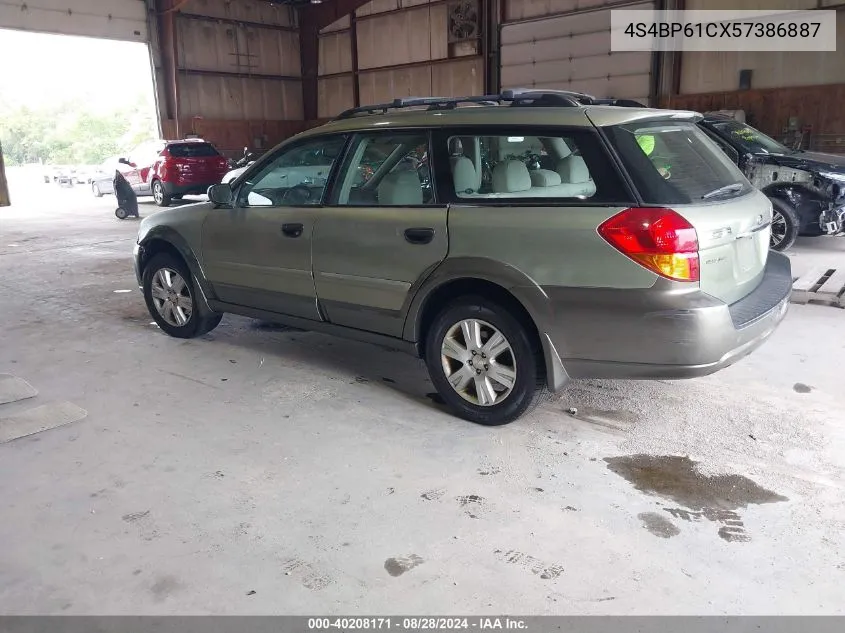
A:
(675, 165)
(197, 162)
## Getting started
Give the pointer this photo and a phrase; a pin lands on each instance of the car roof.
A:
(580, 116)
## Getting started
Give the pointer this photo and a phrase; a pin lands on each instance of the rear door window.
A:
(528, 166)
(387, 169)
(674, 162)
(193, 150)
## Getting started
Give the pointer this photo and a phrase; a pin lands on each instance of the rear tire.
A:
(172, 300)
(96, 189)
(785, 225)
(510, 354)
(160, 195)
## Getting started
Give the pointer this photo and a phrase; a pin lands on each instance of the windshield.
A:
(751, 140)
(674, 162)
(193, 150)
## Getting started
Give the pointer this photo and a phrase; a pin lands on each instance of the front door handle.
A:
(419, 235)
(292, 229)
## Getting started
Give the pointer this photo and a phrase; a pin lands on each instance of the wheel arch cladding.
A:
(156, 245)
(440, 296)
(165, 239)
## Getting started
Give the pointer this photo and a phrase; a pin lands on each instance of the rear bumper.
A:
(189, 189)
(664, 332)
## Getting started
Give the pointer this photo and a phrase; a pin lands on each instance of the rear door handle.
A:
(292, 229)
(419, 235)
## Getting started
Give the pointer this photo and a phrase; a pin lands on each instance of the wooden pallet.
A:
(820, 285)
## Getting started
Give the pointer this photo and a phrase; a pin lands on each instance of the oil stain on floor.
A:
(658, 524)
(398, 566)
(715, 498)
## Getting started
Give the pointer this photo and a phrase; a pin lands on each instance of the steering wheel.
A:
(298, 194)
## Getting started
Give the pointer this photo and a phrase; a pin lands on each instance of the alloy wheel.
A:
(478, 362)
(779, 229)
(158, 192)
(171, 297)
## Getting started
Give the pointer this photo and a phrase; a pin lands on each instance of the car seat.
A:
(464, 174)
(400, 188)
(511, 176)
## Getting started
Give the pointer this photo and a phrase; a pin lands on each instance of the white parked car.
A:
(103, 176)
(230, 176)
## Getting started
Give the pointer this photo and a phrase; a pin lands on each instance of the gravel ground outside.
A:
(264, 470)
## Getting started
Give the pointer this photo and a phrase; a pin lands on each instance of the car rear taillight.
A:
(169, 170)
(659, 239)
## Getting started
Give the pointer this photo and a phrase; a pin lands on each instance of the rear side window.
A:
(193, 150)
(522, 164)
(676, 163)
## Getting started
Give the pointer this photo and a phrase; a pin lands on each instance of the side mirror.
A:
(123, 161)
(221, 195)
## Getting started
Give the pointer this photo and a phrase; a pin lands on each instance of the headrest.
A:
(573, 169)
(511, 176)
(456, 148)
(561, 149)
(464, 175)
(544, 178)
(400, 188)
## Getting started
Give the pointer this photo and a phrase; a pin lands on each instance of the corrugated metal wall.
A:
(238, 72)
(565, 45)
(719, 71)
(335, 88)
(806, 88)
(402, 50)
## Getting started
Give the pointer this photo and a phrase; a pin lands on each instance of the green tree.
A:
(71, 134)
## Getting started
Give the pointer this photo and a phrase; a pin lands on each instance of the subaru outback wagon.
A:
(514, 242)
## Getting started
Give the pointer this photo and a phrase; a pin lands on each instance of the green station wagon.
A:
(514, 242)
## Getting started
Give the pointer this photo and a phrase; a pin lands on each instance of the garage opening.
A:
(74, 107)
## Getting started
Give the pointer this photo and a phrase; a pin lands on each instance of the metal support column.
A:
(353, 39)
(166, 25)
(5, 200)
(309, 54)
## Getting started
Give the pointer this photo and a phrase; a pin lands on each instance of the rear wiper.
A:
(732, 188)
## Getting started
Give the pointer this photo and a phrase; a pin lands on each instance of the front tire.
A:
(171, 298)
(160, 195)
(785, 225)
(96, 190)
(484, 362)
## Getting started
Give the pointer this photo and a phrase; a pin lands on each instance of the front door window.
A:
(296, 177)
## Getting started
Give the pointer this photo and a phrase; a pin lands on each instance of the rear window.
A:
(192, 150)
(675, 163)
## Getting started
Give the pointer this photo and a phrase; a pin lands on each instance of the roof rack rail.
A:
(621, 103)
(515, 98)
(432, 103)
(533, 96)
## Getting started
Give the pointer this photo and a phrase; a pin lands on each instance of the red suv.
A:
(168, 170)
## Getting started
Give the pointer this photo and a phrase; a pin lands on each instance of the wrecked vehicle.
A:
(807, 189)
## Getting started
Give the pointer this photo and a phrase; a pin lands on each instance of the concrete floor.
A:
(265, 471)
